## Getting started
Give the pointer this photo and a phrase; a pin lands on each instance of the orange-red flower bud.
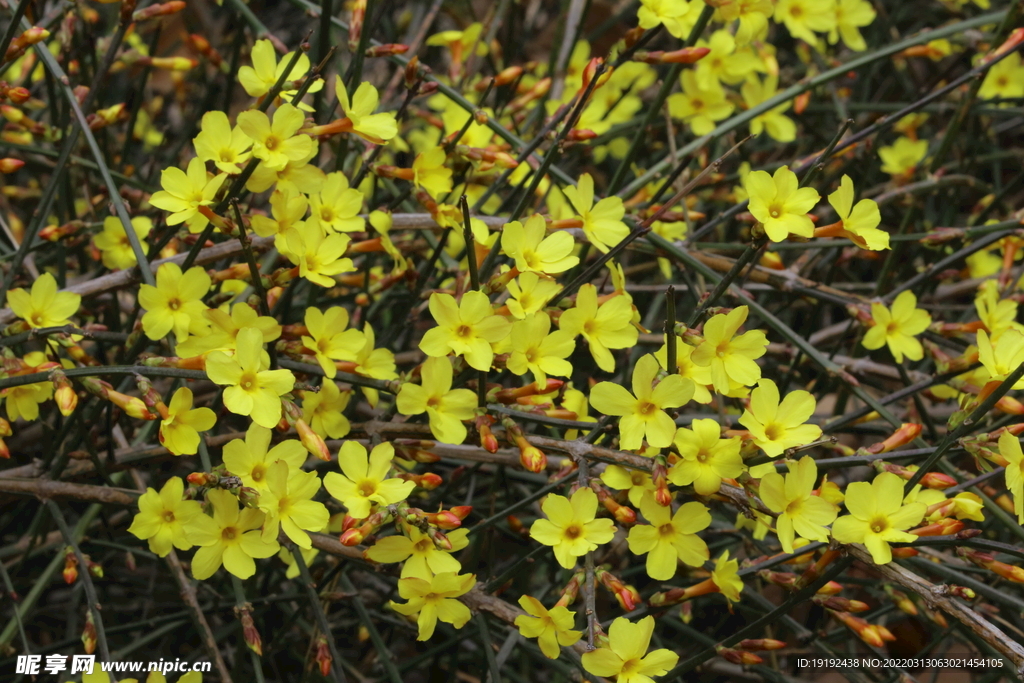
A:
(89, 633)
(760, 644)
(687, 55)
(8, 165)
(70, 566)
(737, 656)
(159, 10)
(387, 50)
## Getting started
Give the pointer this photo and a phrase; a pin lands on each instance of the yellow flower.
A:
(179, 431)
(288, 505)
(364, 481)
(336, 207)
(250, 460)
(445, 407)
(903, 156)
(1003, 356)
(752, 14)
(643, 411)
(224, 329)
(467, 328)
(801, 513)
(288, 558)
(43, 306)
(778, 126)
(251, 389)
(602, 223)
(328, 339)
(676, 15)
(576, 401)
(851, 16)
(265, 71)
(430, 173)
(24, 401)
(530, 294)
(375, 363)
(324, 410)
(534, 250)
(726, 577)
(724, 63)
(998, 315)
(706, 458)
(1004, 80)
(605, 327)
(685, 367)
(422, 558)
(541, 353)
(1009, 448)
(635, 482)
(552, 628)
(319, 257)
(699, 106)
(861, 220)
(184, 192)
(730, 357)
(294, 175)
(878, 516)
(626, 656)
(777, 426)
(231, 537)
(277, 142)
(162, 517)
(218, 142)
(780, 204)
(287, 208)
(175, 303)
(669, 539)
(113, 241)
(803, 17)
(571, 528)
(898, 326)
(375, 128)
(435, 599)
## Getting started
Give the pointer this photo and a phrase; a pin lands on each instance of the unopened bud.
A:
(737, 656)
(387, 50)
(687, 55)
(70, 566)
(131, 405)
(313, 442)
(907, 432)
(323, 656)
(159, 10)
(34, 35)
(89, 633)
(9, 165)
(249, 632)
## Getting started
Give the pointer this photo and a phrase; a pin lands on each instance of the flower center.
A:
(433, 401)
(774, 431)
(271, 142)
(879, 524)
(775, 210)
(248, 381)
(702, 456)
(637, 478)
(646, 408)
(37, 319)
(174, 304)
(697, 103)
(666, 530)
(422, 546)
(630, 667)
(228, 533)
(463, 331)
(573, 531)
(366, 488)
(326, 214)
(588, 327)
(168, 516)
(227, 155)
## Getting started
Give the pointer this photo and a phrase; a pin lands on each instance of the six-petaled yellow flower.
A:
(800, 512)
(162, 517)
(551, 627)
(670, 538)
(364, 480)
(252, 388)
(897, 327)
(878, 516)
(571, 527)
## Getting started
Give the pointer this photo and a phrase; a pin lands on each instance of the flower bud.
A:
(9, 165)
(737, 656)
(840, 603)
(901, 600)
(687, 55)
(323, 653)
(89, 633)
(159, 10)
(5, 427)
(249, 632)
(70, 566)
(571, 590)
(907, 432)
(34, 35)
(313, 442)
(488, 441)
(387, 50)
(869, 633)
(65, 396)
(131, 405)
(627, 596)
